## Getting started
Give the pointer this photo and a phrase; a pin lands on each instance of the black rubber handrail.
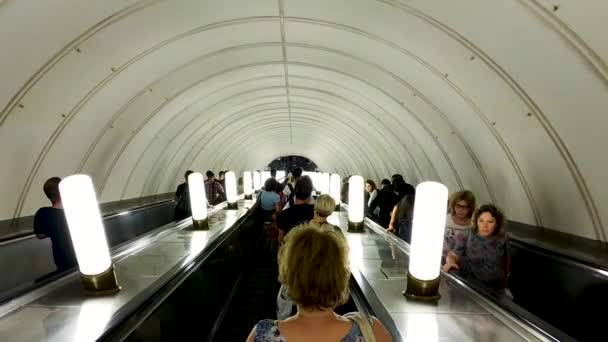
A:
(106, 216)
(557, 255)
(144, 304)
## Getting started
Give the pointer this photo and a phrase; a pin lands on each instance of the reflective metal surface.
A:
(460, 314)
(62, 312)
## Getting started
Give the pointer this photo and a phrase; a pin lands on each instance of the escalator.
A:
(27, 262)
(254, 298)
(221, 299)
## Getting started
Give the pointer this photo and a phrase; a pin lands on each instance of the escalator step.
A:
(253, 300)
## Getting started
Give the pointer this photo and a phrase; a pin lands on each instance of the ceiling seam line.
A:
(285, 66)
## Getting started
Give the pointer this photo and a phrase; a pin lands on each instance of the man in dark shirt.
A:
(385, 200)
(50, 222)
(182, 199)
(301, 211)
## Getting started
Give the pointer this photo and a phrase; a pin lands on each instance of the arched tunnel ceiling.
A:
(504, 98)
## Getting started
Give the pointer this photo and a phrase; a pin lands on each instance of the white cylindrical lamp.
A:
(355, 204)
(427, 241)
(325, 181)
(281, 175)
(335, 184)
(265, 175)
(247, 185)
(198, 201)
(257, 181)
(231, 195)
(88, 235)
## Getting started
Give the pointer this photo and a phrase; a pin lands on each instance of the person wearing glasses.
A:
(458, 220)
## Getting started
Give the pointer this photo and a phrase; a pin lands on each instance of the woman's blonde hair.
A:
(466, 196)
(313, 266)
(325, 205)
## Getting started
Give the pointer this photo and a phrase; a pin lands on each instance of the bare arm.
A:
(392, 224)
(382, 335)
(251, 336)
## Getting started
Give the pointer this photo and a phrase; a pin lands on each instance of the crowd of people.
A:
(475, 244)
(313, 258)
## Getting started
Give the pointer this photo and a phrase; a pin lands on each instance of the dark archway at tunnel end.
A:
(290, 162)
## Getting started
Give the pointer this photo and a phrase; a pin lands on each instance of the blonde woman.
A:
(313, 266)
(458, 221)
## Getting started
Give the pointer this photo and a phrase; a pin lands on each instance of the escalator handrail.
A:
(144, 304)
(29, 235)
(525, 317)
(591, 266)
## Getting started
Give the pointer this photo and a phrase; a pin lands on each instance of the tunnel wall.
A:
(506, 98)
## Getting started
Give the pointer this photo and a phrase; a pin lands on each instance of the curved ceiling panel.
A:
(487, 96)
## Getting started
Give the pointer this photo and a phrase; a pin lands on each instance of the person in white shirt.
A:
(458, 220)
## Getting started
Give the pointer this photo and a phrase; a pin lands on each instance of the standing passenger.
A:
(482, 254)
(301, 211)
(182, 199)
(213, 189)
(385, 201)
(458, 221)
(288, 190)
(50, 222)
(313, 267)
(371, 190)
(270, 200)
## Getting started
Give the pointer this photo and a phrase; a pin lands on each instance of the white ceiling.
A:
(506, 98)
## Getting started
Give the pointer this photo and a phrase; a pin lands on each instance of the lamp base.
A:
(356, 227)
(232, 206)
(248, 197)
(102, 284)
(200, 224)
(422, 290)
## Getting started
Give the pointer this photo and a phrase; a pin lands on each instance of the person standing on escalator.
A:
(182, 200)
(50, 222)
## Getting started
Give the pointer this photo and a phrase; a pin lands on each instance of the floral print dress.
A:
(453, 232)
(267, 330)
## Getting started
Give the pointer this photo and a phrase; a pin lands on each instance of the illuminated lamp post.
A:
(198, 201)
(335, 184)
(325, 181)
(257, 181)
(88, 235)
(231, 195)
(427, 242)
(265, 176)
(281, 174)
(247, 186)
(355, 204)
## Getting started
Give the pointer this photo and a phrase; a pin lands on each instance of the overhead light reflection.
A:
(422, 327)
(93, 317)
